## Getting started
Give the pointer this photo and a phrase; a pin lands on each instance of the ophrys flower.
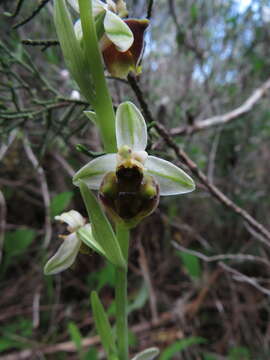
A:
(131, 181)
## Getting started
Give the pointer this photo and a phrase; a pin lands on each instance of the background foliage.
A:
(199, 273)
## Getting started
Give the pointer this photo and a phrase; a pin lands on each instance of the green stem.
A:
(121, 296)
(103, 102)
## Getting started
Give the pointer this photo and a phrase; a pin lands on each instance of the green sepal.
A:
(72, 51)
(103, 327)
(147, 354)
(85, 234)
(102, 229)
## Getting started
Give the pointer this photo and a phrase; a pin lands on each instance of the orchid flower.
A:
(130, 181)
(122, 42)
(115, 29)
(69, 249)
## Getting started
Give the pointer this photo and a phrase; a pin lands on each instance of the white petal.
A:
(171, 179)
(97, 6)
(74, 4)
(93, 172)
(118, 31)
(148, 354)
(73, 218)
(130, 127)
(78, 30)
(65, 255)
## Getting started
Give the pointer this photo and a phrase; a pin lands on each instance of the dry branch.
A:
(225, 118)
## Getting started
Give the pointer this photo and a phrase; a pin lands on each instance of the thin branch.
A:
(40, 42)
(44, 188)
(149, 9)
(18, 8)
(238, 276)
(3, 214)
(34, 13)
(184, 158)
(225, 118)
(233, 257)
(147, 278)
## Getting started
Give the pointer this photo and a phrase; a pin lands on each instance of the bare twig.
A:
(184, 158)
(238, 276)
(63, 162)
(225, 118)
(147, 278)
(234, 257)
(18, 8)
(3, 213)
(34, 13)
(44, 188)
(149, 9)
(46, 43)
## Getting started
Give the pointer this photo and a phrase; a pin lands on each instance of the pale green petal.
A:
(97, 6)
(93, 172)
(171, 179)
(73, 218)
(65, 255)
(78, 30)
(85, 234)
(147, 354)
(118, 31)
(130, 127)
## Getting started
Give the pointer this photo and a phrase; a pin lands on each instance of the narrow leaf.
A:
(71, 48)
(180, 345)
(103, 326)
(102, 230)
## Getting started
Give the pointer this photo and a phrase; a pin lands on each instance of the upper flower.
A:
(121, 41)
(115, 29)
(130, 178)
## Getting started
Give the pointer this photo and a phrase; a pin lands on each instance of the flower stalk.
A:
(102, 101)
(122, 234)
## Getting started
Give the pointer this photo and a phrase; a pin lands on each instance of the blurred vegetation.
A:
(202, 59)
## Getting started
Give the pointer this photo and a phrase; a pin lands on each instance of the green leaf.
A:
(75, 335)
(60, 202)
(16, 242)
(148, 354)
(179, 346)
(191, 264)
(103, 326)
(239, 353)
(91, 354)
(102, 229)
(72, 51)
